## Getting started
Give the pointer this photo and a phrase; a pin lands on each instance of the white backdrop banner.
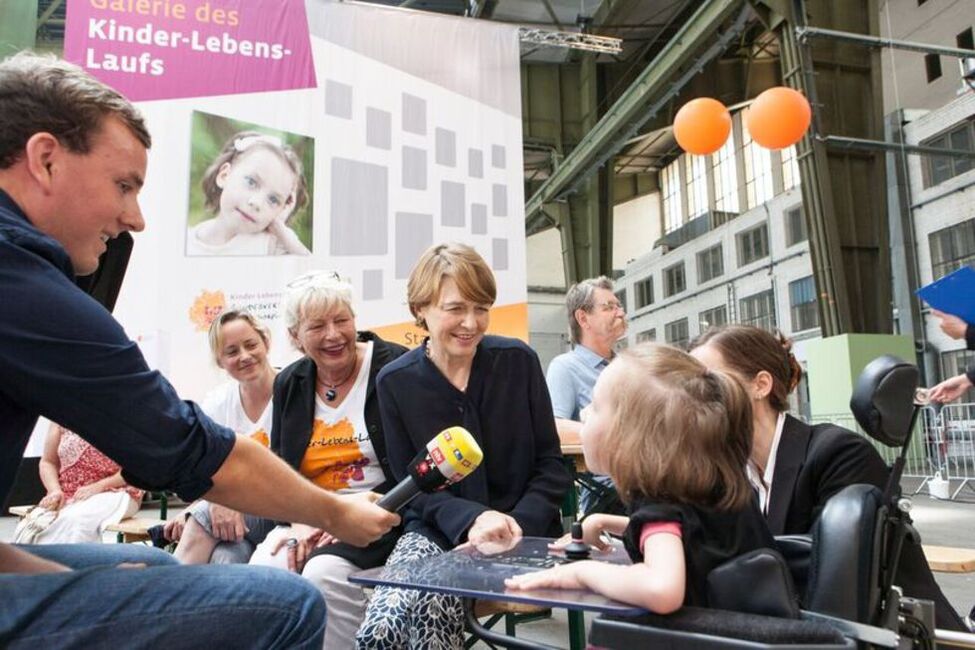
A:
(369, 133)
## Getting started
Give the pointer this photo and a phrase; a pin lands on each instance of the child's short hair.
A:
(680, 433)
(238, 145)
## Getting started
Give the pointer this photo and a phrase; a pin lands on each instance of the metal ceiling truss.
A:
(648, 94)
(573, 40)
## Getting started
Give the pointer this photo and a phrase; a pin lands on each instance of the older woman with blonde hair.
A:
(326, 424)
(494, 387)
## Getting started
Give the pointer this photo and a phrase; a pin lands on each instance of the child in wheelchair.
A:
(675, 438)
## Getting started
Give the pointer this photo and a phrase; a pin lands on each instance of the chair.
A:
(847, 564)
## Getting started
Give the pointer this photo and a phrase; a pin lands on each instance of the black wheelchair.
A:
(845, 568)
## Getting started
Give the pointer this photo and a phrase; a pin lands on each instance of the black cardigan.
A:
(815, 462)
(508, 411)
(292, 419)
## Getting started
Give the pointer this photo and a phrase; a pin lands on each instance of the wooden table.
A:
(573, 452)
(950, 559)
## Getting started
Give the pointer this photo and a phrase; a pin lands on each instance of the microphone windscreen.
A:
(455, 453)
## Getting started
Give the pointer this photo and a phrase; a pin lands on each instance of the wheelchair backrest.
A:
(846, 551)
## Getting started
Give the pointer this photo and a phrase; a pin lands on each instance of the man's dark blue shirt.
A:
(63, 356)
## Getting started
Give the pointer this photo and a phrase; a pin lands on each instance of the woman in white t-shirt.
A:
(239, 343)
(326, 424)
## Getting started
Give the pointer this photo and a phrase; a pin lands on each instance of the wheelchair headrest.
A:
(883, 399)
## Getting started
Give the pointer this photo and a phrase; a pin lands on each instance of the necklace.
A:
(332, 393)
(429, 356)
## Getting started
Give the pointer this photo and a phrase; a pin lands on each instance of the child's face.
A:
(257, 188)
(598, 417)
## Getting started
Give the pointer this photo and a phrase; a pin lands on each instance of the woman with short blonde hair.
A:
(327, 426)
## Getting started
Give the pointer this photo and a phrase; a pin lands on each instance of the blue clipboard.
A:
(953, 294)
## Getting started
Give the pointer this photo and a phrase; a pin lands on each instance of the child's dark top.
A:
(709, 537)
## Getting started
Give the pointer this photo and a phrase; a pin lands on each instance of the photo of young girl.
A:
(675, 438)
(251, 192)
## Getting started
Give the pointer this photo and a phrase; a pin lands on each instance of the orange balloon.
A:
(702, 125)
(778, 117)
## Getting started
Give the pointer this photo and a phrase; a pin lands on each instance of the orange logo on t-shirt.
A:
(261, 436)
(333, 459)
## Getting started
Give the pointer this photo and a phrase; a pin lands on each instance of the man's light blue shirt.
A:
(571, 377)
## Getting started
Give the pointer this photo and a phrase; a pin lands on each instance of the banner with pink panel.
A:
(373, 132)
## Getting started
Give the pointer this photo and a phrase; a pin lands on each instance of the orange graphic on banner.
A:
(509, 320)
(206, 307)
(333, 459)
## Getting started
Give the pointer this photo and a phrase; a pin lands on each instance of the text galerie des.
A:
(108, 30)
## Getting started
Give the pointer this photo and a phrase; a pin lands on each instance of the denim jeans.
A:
(164, 605)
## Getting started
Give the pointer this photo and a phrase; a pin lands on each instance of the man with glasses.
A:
(597, 321)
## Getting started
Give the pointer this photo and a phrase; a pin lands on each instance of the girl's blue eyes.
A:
(273, 200)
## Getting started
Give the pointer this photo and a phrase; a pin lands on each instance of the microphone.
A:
(448, 458)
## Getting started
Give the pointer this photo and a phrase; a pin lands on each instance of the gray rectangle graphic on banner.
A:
(478, 219)
(414, 168)
(378, 128)
(497, 156)
(499, 254)
(414, 114)
(499, 200)
(338, 99)
(414, 234)
(452, 204)
(372, 284)
(446, 147)
(475, 163)
(359, 208)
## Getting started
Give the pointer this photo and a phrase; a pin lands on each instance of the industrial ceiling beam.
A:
(632, 109)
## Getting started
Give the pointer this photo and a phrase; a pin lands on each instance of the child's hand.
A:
(287, 238)
(564, 576)
(593, 528)
(279, 227)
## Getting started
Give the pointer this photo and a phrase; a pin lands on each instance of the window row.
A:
(757, 309)
(685, 185)
(952, 248)
(938, 169)
(752, 245)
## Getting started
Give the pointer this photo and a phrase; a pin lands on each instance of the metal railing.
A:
(942, 447)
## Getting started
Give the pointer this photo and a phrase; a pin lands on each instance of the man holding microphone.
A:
(72, 162)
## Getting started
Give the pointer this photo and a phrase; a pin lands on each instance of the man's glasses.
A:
(610, 305)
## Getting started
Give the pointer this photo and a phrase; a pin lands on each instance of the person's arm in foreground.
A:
(656, 584)
(15, 560)
(283, 494)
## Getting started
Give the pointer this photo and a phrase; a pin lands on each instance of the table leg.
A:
(577, 630)
(570, 505)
